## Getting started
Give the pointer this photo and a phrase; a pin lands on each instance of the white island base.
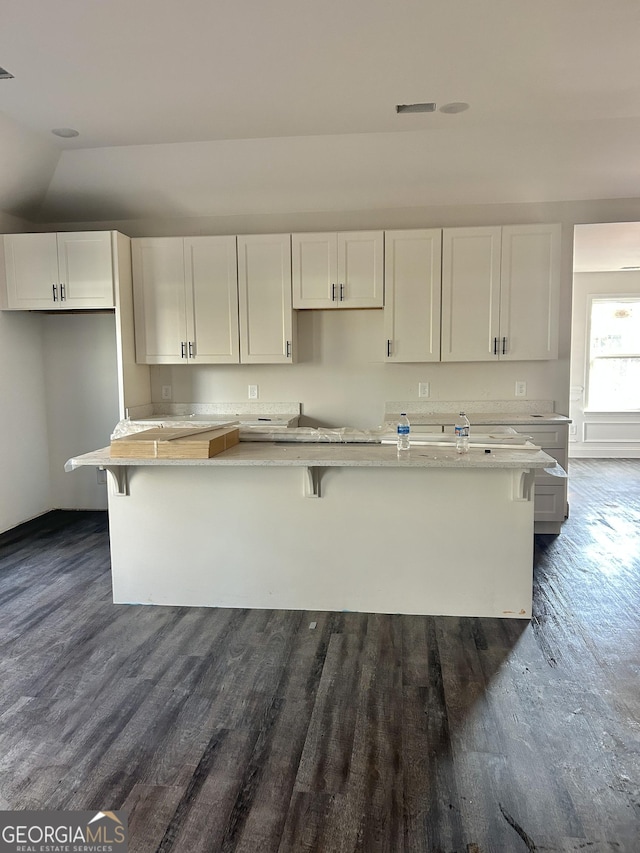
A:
(385, 538)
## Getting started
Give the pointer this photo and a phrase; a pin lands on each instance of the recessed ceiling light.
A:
(65, 132)
(4, 74)
(454, 107)
(415, 108)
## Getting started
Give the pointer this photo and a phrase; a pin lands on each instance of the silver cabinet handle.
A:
(191, 350)
(63, 292)
(183, 349)
(388, 348)
(288, 350)
(55, 292)
(342, 293)
(333, 293)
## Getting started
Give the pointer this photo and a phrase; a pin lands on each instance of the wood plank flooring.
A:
(261, 732)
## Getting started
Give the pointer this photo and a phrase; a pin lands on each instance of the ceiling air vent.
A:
(415, 108)
(4, 74)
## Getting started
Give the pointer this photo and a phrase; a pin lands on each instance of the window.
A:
(613, 380)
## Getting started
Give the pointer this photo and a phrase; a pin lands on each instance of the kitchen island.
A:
(326, 527)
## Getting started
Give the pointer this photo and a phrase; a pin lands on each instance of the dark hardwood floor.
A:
(260, 731)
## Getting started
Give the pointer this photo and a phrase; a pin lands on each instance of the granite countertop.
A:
(336, 456)
(480, 418)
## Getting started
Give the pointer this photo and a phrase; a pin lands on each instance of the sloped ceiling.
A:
(216, 107)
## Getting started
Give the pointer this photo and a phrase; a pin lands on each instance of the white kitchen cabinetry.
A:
(66, 271)
(338, 270)
(412, 295)
(500, 293)
(186, 300)
(267, 323)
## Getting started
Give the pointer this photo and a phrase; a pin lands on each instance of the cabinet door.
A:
(529, 292)
(315, 270)
(470, 293)
(264, 291)
(85, 268)
(361, 269)
(412, 281)
(211, 275)
(31, 266)
(159, 300)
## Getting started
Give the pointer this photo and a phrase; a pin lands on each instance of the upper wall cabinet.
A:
(500, 293)
(186, 300)
(412, 262)
(267, 322)
(65, 271)
(338, 270)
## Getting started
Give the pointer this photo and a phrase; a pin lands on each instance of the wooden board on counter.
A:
(175, 443)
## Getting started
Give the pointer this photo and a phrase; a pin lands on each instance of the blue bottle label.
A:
(403, 429)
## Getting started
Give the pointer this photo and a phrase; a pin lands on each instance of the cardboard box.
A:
(175, 443)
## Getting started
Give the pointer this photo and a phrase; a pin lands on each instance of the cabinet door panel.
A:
(31, 263)
(159, 299)
(211, 276)
(530, 289)
(361, 269)
(266, 314)
(470, 293)
(412, 295)
(315, 270)
(86, 269)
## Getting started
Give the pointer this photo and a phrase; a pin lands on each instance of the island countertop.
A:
(277, 454)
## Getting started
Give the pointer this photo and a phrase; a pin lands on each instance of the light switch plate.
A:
(166, 392)
(521, 388)
(423, 389)
(253, 392)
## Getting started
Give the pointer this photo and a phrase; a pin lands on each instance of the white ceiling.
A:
(216, 107)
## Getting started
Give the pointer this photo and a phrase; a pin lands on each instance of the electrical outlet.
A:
(521, 388)
(166, 392)
(253, 392)
(423, 389)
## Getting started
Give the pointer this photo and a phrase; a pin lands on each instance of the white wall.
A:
(598, 435)
(81, 401)
(24, 451)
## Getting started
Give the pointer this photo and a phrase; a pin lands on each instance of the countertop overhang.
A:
(335, 456)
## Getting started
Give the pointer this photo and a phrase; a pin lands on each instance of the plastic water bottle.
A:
(404, 428)
(462, 433)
